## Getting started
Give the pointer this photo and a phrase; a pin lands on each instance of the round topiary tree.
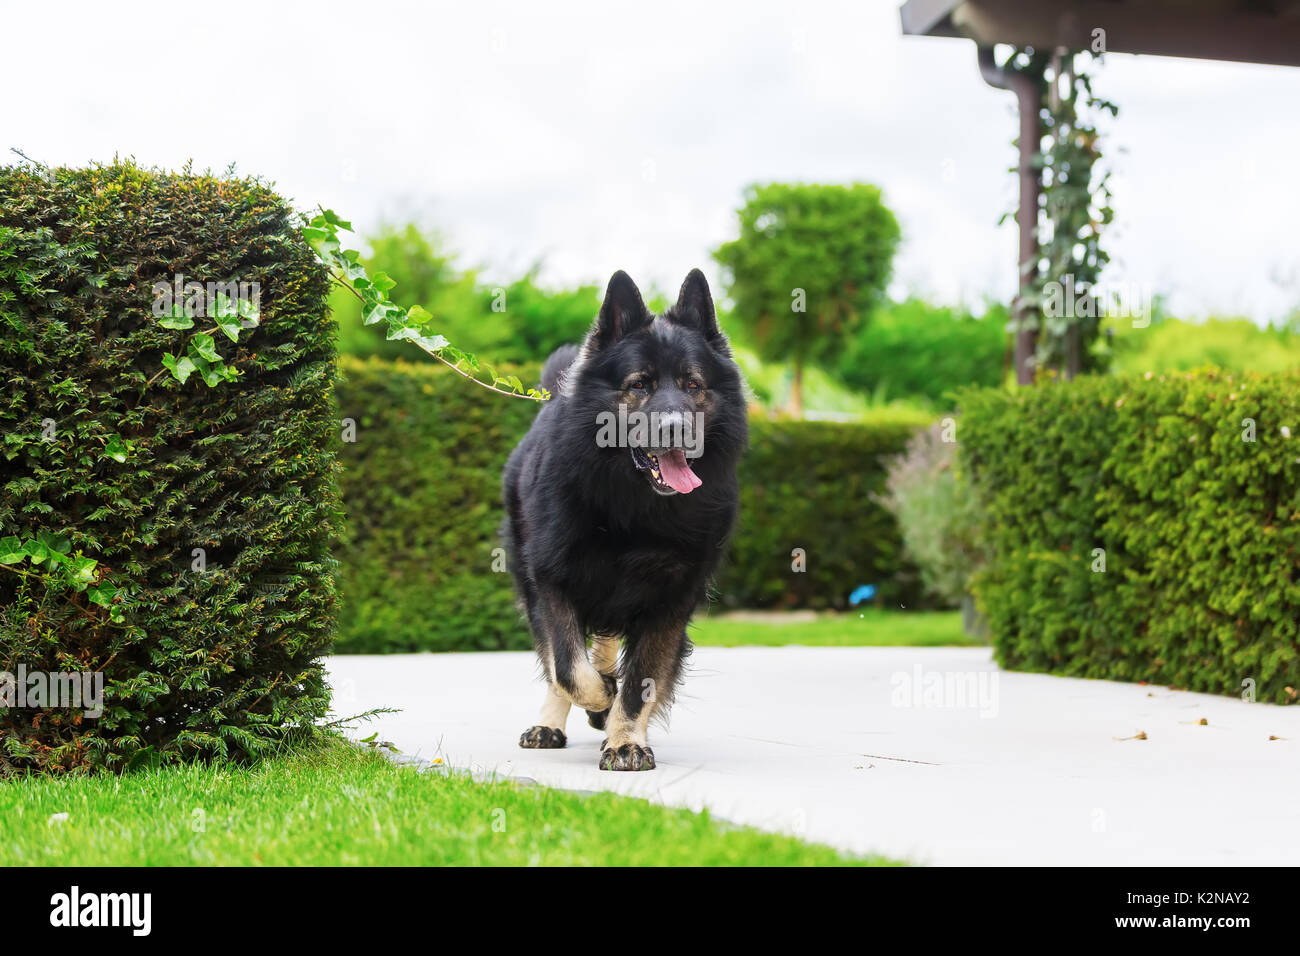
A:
(809, 265)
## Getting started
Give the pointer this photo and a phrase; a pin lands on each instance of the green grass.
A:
(337, 805)
(870, 627)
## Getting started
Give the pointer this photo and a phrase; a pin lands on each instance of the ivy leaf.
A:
(36, 550)
(56, 547)
(321, 237)
(181, 368)
(434, 343)
(229, 326)
(375, 313)
(11, 550)
(331, 217)
(117, 449)
(177, 319)
(249, 315)
(102, 594)
(206, 348)
(214, 373)
(352, 266)
(82, 570)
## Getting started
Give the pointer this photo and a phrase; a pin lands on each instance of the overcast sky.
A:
(604, 136)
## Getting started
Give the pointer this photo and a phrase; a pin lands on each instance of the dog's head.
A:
(663, 390)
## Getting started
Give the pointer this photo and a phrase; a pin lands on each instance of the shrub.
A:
(1143, 530)
(422, 490)
(421, 485)
(814, 485)
(105, 458)
(936, 512)
(915, 350)
(1235, 345)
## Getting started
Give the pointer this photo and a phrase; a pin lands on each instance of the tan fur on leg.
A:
(590, 691)
(555, 709)
(621, 729)
(604, 653)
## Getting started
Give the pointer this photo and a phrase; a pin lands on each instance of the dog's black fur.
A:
(594, 547)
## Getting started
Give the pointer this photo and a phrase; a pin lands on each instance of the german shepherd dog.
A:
(613, 540)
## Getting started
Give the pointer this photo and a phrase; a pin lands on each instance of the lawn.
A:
(868, 627)
(337, 805)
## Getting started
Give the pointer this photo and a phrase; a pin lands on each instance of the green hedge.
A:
(422, 490)
(139, 470)
(1199, 528)
(814, 486)
(421, 485)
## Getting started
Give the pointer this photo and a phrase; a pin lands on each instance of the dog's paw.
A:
(597, 718)
(626, 757)
(542, 738)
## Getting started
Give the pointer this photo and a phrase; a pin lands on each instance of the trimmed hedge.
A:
(223, 662)
(816, 486)
(1199, 528)
(422, 489)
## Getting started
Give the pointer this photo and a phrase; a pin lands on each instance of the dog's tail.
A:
(560, 360)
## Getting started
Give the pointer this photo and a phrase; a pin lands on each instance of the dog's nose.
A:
(674, 429)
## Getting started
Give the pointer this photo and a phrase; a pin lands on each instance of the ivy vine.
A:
(1074, 207)
(413, 325)
(50, 557)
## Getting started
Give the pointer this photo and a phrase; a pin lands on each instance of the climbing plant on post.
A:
(1076, 210)
(1057, 306)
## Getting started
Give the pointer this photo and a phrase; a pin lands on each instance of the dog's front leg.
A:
(651, 667)
(604, 655)
(548, 732)
(571, 676)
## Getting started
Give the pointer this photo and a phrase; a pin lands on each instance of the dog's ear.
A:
(694, 309)
(622, 313)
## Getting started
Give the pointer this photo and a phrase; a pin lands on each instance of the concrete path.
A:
(927, 754)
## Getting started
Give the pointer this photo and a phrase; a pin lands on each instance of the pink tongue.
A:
(677, 474)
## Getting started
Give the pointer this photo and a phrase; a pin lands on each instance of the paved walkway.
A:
(927, 754)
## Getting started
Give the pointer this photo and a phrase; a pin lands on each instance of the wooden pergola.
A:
(1246, 31)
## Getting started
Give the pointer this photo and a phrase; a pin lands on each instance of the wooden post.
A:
(1031, 134)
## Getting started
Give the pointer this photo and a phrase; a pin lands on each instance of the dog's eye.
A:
(638, 385)
(693, 384)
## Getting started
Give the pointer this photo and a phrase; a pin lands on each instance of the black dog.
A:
(614, 532)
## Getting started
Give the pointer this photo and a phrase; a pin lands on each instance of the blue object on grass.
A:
(863, 592)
